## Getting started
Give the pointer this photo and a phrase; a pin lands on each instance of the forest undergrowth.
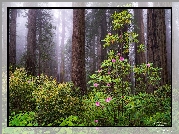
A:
(41, 101)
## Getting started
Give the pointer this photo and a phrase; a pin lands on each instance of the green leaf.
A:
(30, 124)
(81, 124)
(69, 123)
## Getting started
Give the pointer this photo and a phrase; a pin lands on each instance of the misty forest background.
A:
(64, 47)
(51, 52)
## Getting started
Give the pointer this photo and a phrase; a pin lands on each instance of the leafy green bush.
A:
(140, 106)
(21, 87)
(137, 110)
(100, 109)
(90, 111)
(23, 119)
(50, 100)
(54, 101)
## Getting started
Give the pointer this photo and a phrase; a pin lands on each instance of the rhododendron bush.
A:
(114, 78)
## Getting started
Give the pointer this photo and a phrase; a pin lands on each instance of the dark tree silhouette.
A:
(78, 50)
(12, 43)
(156, 43)
(31, 42)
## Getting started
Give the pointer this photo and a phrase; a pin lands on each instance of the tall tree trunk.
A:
(12, 44)
(78, 50)
(139, 56)
(103, 35)
(31, 42)
(138, 15)
(94, 54)
(156, 43)
(99, 48)
(62, 66)
(58, 49)
(40, 41)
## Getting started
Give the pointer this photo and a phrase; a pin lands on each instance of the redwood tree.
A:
(78, 50)
(156, 43)
(62, 66)
(12, 43)
(139, 56)
(31, 42)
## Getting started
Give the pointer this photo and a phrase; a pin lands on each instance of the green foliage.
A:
(23, 119)
(163, 91)
(111, 75)
(140, 48)
(144, 108)
(21, 87)
(158, 119)
(69, 121)
(90, 111)
(146, 75)
(137, 110)
(120, 19)
(54, 101)
(42, 95)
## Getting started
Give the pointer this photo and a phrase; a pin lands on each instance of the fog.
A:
(62, 22)
(57, 17)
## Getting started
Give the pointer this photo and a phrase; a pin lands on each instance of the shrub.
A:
(113, 78)
(90, 111)
(54, 101)
(21, 87)
(100, 109)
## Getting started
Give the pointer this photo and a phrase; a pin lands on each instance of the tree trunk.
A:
(31, 42)
(78, 50)
(99, 48)
(12, 43)
(93, 64)
(139, 56)
(57, 50)
(103, 35)
(62, 66)
(139, 29)
(40, 41)
(156, 43)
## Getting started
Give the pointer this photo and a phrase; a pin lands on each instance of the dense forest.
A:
(89, 66)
